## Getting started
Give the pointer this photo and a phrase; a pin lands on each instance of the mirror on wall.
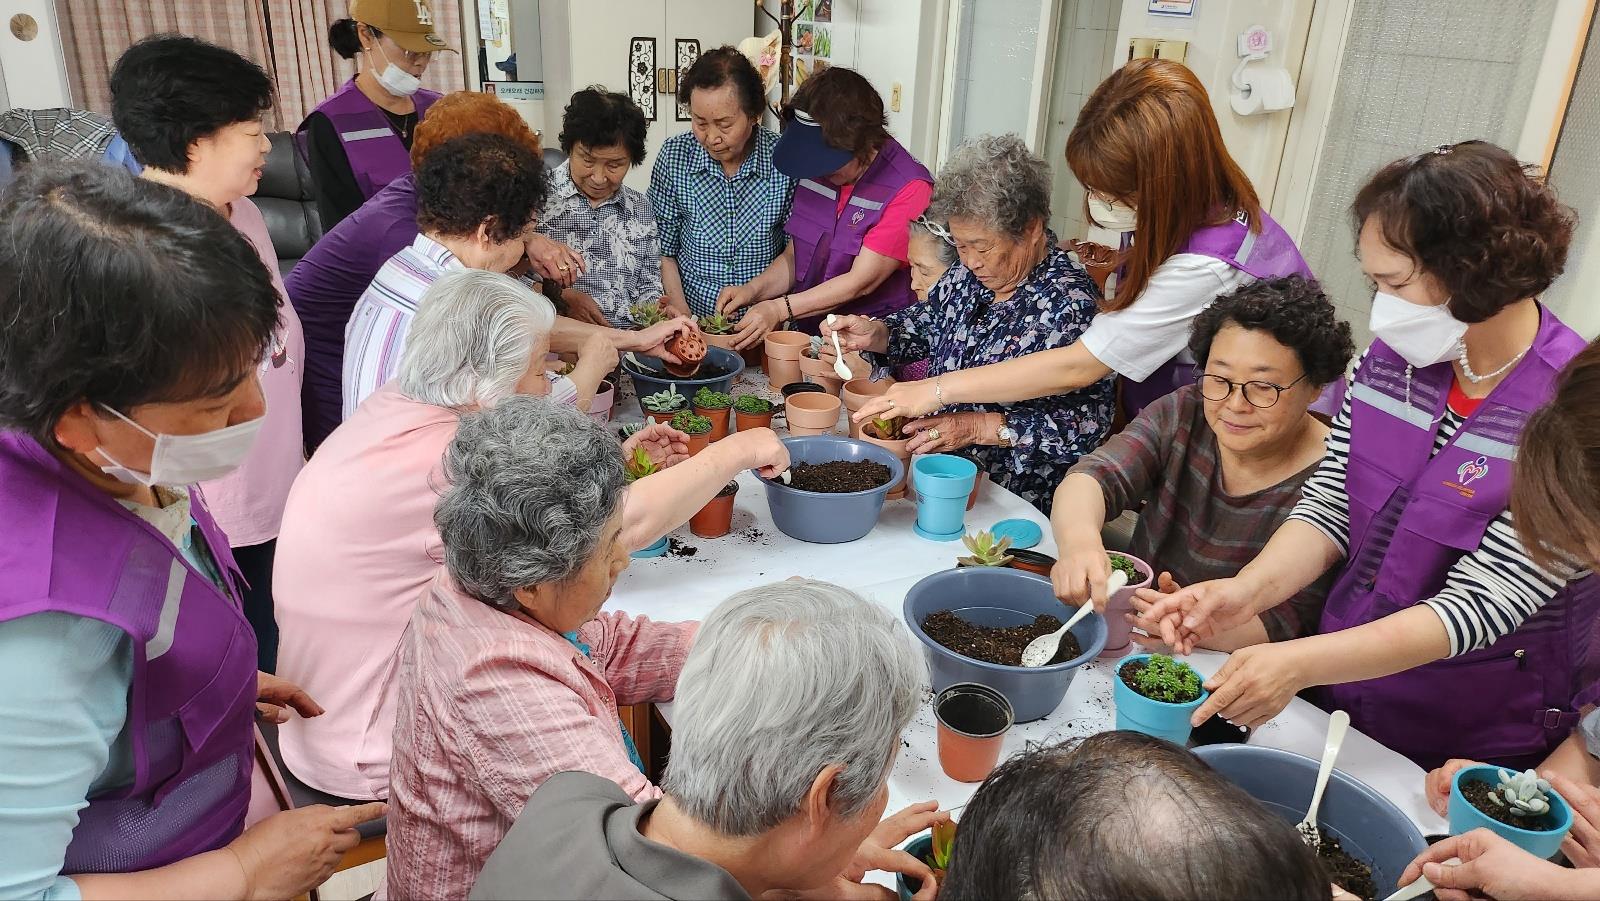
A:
(510, 57)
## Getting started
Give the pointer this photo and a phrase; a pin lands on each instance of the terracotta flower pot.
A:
(977, 489)
(783, 356)
(755, 356)
(972, 723)
(856, 394)
(810, 413)
(715, 518)
(698, 443)
(747, 421)
(688, 347)
(665, 418)
(723, 341)
(719, 420)
(869, 434)
(820, 372)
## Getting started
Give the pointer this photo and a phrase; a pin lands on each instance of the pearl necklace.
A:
(1473, 377)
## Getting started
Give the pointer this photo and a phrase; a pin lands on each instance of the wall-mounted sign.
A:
(515, 90)
(1183, 8)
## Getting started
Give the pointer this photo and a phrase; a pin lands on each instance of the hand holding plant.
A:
(880, 851)
(661, 445)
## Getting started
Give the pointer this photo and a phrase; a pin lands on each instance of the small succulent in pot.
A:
(889, 429)
(1127, 566)
(706, 399)
(986, 551)
(944, 843)
(1524, 793)
(666, 401)
(629, 430)
(647, 314)
(1165, 679)
(638, 466)
(688, 423)
(716, 324)
(752, 404)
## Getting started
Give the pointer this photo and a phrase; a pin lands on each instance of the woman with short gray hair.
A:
(787, 719)
(509, 672)
(1014, 292)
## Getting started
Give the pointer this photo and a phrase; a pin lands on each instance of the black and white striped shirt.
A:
(1488, 593)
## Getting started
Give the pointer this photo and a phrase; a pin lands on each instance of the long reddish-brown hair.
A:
(1555, 492)
(1147, 136)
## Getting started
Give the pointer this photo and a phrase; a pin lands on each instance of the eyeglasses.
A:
(1258, 394)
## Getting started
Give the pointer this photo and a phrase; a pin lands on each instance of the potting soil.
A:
(1345, 871)
(839, 476)
(996, 645)
(1476, 791)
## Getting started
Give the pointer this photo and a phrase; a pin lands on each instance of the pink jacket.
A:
(491, 706)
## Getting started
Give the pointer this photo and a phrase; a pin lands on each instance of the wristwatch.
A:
(1006, 434)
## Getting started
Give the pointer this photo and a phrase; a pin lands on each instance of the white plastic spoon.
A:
(1420, 887)
(839, 367)
(1042, 650)
(1338, 724)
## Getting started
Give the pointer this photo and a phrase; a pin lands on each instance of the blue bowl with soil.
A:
(997, 597)
(650, 375)
(1161, 719)
(1367, 826)
(830, 517)
(1465, 816)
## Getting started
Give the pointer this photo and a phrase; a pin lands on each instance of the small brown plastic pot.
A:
(716, 517)
(819, 371)
(663, 418)
(688, 347)
(698, 443)
(977, 489)
(972, 723)
(1033, 562)
(747, 421)
(719, 417)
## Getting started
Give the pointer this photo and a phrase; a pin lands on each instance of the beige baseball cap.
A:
(408, 23)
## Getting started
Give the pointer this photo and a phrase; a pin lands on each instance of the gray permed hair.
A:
(531, 486)
(783, 681)
(995, 180)
(473, 338)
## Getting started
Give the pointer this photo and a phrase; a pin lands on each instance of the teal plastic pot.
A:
(1464, 817)
(1158, 718)
(654, 550)
(919, 847)
(943, 483)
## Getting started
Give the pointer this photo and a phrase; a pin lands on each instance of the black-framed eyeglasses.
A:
(1258, 394)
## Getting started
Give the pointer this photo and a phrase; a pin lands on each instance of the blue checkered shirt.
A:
(722, 231)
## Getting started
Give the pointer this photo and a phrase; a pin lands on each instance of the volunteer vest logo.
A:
(1472, 470)
(424, 15)
(857, 217)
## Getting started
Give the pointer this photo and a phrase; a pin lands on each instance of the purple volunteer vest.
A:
(1413, 514)
(377, 155)
(70, 548)
(827, 242)
(1269, 254)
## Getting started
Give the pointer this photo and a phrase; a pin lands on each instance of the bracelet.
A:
(938, 390)
(788, 306)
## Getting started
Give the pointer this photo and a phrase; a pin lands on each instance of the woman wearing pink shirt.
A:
(191, 112)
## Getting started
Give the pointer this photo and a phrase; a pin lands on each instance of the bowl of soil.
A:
(1367, 841)
(717, 372)
(1156, 695)
(836, 488)
(974, 621)
(1472, 807)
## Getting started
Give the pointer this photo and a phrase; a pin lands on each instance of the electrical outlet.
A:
(894, 97)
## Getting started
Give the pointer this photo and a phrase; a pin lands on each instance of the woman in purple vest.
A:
(856, 194)
(1148, 149)
(357, 140)
(136, 319)
(1441, 636)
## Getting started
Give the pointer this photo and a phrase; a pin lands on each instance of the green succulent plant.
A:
(688, 423)
(638, 466)
(944, 843)
(889, 429)
(986, 551)
(1522, 793)
(1127, 566)
(716, 324)
(647, 314)
(706, 399)
(750, 403)
(1169, 680)
(664, 401)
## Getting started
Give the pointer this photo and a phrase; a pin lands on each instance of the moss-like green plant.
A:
(706, 399)
(716, 324)
(889, 429)
(1127, 566)
(638, 466)
(1522, 793)
(1169, 680)
(985, 550)
(647, 314)
(750, 403)
(688, 423)
(664, 401)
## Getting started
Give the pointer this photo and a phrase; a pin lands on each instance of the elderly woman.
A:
(130, 671)
(1215, 466)
(361, 545)
(509, 673)
(1015, 292)
(786, 725)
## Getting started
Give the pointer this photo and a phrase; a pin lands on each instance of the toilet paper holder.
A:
(1254, 45)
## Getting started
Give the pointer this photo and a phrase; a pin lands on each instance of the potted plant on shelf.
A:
(887, 434)
(635, 468)
(716, 517)
(718, 330)
(752, 412)
(985, 550)
(698, 428)
(1156, 695)
(714, 405)
(1519, 807)
(663, 405)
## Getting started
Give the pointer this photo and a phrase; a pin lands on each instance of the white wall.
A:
(35, 71)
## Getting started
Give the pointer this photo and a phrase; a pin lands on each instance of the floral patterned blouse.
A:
(961, 326)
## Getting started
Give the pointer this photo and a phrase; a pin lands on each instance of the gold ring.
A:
(934, 434)
(563, 267)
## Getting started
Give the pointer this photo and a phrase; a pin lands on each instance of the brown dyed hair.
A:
(1147, 137)
(1555, 494)
(847, 107)
(1485, 226)
(467, 113)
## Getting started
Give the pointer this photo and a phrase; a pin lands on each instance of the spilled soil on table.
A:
(995, 645)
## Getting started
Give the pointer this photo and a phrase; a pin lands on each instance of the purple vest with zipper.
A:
(377, 155)
(827, 242)
(1413, 514)
(72, 549)
(1269, 254)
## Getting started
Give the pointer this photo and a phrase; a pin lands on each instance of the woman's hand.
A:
(1582, 844)
(652, 341)
(1436, 785)
(275, 696)
(1080, 576)
(733, 298)
(905, 399)
(1254, 685)
(597, 357)
(951, 432)
(1165, 584)
(1491, 866)
(758, 320)
(583, 308)
(663, 444)
(1191, 615)
(857, 333)
(554, 261)
(291, 853)
(763, 451)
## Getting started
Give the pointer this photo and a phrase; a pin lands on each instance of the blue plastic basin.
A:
(830, 518)
(650, 375)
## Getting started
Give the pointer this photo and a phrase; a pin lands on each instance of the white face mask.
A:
(1422, 335)
(1118, 217)
(396, 80)
(186, 459)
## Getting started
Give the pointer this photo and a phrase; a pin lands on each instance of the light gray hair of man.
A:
(473, 339)
(531, 486)
(994, 180)
(782, 681)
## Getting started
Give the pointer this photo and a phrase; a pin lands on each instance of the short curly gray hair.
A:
(531, 486)
(995, 180)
